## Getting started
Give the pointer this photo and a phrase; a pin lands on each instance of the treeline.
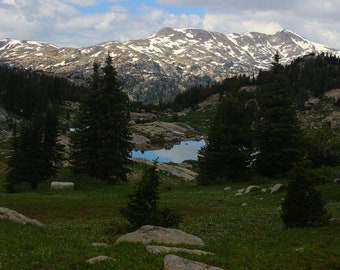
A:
(25, 92)
(310, 75)
(198, 94)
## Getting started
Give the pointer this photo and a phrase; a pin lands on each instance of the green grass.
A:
(199, 120)
(242, 237)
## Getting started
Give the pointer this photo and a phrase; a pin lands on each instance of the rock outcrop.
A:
(148, 136)
(6, 213)
(175, 170)
(165, 249)
(148, 234)
(98, 259)
(173, 262)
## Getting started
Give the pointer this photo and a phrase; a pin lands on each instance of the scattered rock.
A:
(336, 180)
(239, 194)
(3, 115)
(244, 204)
(335, 94)
(251, 189)
(164, 249)
(277, 188)
(99, 259)
(6, 213)
(227, 188)
(312, 101)
(300, 250)
(99, 245)
(242, 190)
(334, 119)
(264, 190)
(173, 262)
(62, 185)
(148, 233)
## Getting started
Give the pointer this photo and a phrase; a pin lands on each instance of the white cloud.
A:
(63, 22)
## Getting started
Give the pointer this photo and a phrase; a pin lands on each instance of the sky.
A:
(81, 23)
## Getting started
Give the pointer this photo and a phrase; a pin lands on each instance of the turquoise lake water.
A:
(186, 150)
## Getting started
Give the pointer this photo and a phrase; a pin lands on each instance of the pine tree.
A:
(229, 144)
(101, 143)
(277, 131)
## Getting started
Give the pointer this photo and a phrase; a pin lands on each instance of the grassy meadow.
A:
(245, 232)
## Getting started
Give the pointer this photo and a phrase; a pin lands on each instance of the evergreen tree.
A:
(277, 131)
(143, 209)
(101, 143)
(36, 151)
(302, 205)
(143, 204)
(229, 144)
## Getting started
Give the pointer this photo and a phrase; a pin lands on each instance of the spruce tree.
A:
(229, 144)
(100, 146)
(277, 132)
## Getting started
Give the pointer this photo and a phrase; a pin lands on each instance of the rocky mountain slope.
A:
(167, 62)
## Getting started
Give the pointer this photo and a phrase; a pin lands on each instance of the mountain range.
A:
(168, 62)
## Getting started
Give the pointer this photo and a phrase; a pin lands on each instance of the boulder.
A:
(6, 213)
(277, 188)
(251, 189)
(62, 185)
(173, 262)
(99, 245)
(164, 249)
(227, 188)
(148, 233)
(99, 259)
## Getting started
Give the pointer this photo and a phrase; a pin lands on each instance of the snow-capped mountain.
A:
(167, 62)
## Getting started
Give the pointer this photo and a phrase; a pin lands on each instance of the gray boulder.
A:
(173, 262)
(62, 185)
(99, 259)
(164, 249)
(148, 233)
(277, 188)
(251, 189)
(6, 213)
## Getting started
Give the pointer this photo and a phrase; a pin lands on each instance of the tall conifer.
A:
(229, 143)
(277, 132)
(101, 143)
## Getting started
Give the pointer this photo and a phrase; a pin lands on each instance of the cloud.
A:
(87, 22)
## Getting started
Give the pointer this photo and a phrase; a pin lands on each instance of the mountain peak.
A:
(169, 61)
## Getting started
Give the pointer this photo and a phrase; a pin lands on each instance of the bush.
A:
(303, 205)
(142, 209)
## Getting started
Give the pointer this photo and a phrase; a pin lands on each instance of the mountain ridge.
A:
(167, 62)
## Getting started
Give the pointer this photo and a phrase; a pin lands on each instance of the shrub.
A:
(303, 205)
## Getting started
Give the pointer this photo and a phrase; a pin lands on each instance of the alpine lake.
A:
(185, 150)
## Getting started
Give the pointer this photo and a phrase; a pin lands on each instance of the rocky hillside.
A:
(167, 62)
